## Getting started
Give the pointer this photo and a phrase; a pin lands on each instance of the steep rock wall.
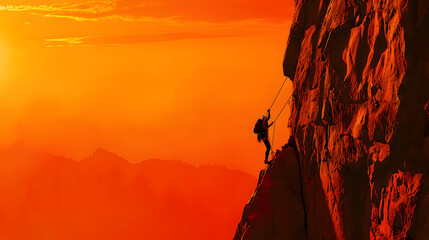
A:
(360, 119)
(360, 72)
(277, 195)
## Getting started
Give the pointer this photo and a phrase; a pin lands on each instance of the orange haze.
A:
(177, 83)
(175, 80)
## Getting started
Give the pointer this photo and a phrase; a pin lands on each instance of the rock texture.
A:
(278, 194)
(360, 118)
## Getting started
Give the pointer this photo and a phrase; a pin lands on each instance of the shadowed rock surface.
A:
(278, 194)
(360, 72)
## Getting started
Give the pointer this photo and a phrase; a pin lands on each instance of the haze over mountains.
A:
(103, 196)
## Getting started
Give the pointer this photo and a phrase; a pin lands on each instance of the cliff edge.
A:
(360, 119)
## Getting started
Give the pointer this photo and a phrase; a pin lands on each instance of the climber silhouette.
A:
(263, 134)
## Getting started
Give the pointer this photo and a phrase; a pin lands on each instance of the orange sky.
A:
(161, 79)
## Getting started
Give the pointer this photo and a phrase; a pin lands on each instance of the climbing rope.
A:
(278, 93)
(283, 108)
(272, 140)
(274, 122)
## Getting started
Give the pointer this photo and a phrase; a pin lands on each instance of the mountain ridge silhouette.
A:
(103, 196)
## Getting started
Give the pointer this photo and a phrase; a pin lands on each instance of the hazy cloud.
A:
(128, 39)
(164, 10)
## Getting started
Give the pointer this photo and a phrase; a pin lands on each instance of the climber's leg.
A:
(267, 144)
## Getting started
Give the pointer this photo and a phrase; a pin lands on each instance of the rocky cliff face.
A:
(360, 71)
(277, 195)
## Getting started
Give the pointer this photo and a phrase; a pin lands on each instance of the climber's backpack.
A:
(258, 127)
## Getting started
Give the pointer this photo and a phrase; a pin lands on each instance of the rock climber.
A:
(261, 128)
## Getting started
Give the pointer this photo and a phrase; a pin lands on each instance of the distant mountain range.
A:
(105, 197)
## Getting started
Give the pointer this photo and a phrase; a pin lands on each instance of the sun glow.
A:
(3, 61)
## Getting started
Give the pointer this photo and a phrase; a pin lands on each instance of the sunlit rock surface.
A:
(360, 72)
